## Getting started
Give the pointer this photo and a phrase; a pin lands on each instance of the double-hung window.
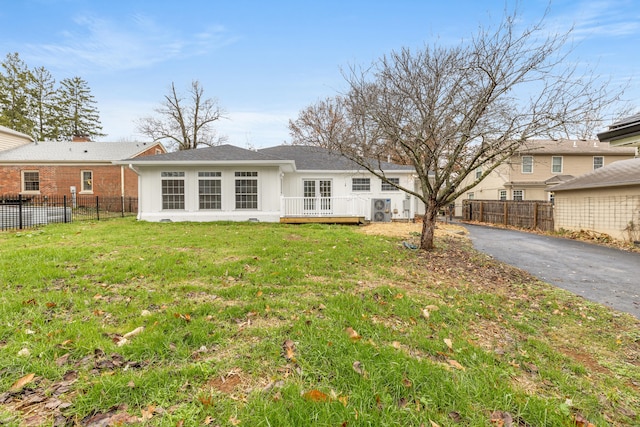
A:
(87, 181)
(598, 162)
(556, 164)
(527, 164)
(172, 190)
(209, 190)
(361, 184)
(30, 181)
(388, 186)
(518, 195)
(502, 195)
(246, 190)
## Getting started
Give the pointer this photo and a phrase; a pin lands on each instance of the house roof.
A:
(316, 158)
(67, 151)
(616, 174)
(576, 147)
(9, 131)
(292, 157)
(625, 128)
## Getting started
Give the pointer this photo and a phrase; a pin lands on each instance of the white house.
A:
(283, 183)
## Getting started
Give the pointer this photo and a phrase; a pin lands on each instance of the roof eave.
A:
(618, 133)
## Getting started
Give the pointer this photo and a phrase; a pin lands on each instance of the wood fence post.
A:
(535, 215)
(506, 213)
(481, 212)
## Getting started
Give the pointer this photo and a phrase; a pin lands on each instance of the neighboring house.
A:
(541, 164)
(284, 183)
(64, 167)
(9, 138)
(606, 200)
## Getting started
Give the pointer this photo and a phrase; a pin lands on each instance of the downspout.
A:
(139, 199)
(121, 180)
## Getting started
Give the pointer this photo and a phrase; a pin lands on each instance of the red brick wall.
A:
(58, 180)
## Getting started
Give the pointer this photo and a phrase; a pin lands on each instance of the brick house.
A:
(55, 168)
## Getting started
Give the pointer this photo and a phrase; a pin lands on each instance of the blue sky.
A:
(266, 60)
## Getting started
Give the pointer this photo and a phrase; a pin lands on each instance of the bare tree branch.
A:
(184, 124)
(449, 111)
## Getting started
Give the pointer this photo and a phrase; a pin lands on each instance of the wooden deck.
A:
(355, 220)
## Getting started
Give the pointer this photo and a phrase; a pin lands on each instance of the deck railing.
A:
(324, 206)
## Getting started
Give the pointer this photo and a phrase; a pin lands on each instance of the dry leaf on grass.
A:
(289, 350)
(19, 385)
(316, 396)
(353, 335)
(449, 343)
(456, 365)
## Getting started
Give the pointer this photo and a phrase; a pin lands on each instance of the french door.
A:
(317, 196)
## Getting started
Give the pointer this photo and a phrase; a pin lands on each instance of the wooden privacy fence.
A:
(528, 214)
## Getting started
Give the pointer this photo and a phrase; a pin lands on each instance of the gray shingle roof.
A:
(66, 151)
(316, 158)
(625, 128)
(620, 173)
(224, 152)
(304, 157)
(576, 147)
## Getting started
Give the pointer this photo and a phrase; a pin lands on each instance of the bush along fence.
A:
(522, 214)
(27, 211)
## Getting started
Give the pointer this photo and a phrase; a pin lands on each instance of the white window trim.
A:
(522, 167)
(594, 162)
(174, 176)
(513, 195)
(22, 182)
(210, 176)
(392, 188)
(82, 190)
(561, 164)
(250, 175)
(506, 195)
(353, 190)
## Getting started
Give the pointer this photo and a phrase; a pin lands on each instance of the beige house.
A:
(541, 164)
(9, 138)
(606, 200)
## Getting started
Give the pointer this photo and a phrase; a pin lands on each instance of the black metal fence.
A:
(26, 211)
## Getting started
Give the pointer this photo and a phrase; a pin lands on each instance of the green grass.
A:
(218, 300)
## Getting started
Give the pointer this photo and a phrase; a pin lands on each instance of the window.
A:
(30, 181)
(556, 164)
(598, 162)
(246, 190)
(478, 173)
(386, 186)
(209, 190)
(87, 181)
(527, 164)
(470, 196)
(502, 194)
(361, 184)
(172, 190)
(518, 194)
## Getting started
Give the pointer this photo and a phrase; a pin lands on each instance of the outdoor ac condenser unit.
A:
(381, 210)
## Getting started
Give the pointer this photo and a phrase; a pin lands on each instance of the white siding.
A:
(150, 198)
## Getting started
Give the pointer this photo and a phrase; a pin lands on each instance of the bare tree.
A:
(184, 124)
(448, 111)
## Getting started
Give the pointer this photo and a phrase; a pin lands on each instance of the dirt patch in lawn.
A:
(411, 229)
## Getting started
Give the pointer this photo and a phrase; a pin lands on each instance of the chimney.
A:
(80, 138)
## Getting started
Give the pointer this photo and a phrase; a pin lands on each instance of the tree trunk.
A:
(429, 225)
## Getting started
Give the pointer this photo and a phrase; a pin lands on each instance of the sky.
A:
(266, 60)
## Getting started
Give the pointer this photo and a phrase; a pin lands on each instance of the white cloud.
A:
(138, 42)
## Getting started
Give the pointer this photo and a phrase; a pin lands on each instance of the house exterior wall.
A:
(342, 186)
(57, 179)
(604, 210)
(150, 194)
(11, 139)
(108, 180)
(510, 176)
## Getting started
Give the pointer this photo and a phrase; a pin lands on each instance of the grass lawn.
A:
(186, 324)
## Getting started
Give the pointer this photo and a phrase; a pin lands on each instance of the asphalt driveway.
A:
(601, 274)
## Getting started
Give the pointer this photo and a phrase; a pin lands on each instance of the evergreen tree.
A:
(16, 83)
(44, 108)
(78, 115)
